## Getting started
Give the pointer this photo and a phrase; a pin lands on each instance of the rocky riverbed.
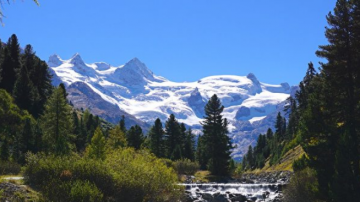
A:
(265, 187)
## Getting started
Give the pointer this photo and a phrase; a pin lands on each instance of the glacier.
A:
(135, 91)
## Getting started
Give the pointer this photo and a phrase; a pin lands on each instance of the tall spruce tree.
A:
(96, 149)
(330, 122)
(11, 64)
(116, 139)
(23, 92)
(189, 145)
(218, 144)
(156, 135)
(135, 137)
(173, 137)
(57, 125)
(122, 124)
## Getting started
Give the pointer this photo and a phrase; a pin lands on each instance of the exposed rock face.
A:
(11, 192)
(82, 96)
(197, 103)
(242, 113)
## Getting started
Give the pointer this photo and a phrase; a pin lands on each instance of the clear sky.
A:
(182, 40)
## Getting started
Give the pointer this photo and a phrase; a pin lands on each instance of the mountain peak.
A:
(253, 78)
(135, 65)
(54, 60)
(77, 60)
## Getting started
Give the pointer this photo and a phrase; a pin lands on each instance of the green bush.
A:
(8, 167)
(185, 166)
(300, 163)
(302, 187)
(141, 176)
(125, 175)
(85, 191)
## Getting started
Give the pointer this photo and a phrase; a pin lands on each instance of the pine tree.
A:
(218, 144)
(279, 126)
(201, 155)
(116, 139)
(8, 73)
(135, 137)
(57, 124)
(62, 86)
(24, 90)
(41, 80)
(96, 148)
(156, 135)
(330, 122)
(172, 131)
(122, 124)
(189, 148)
(249, 158)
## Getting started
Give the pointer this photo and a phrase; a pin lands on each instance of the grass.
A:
(285, 162)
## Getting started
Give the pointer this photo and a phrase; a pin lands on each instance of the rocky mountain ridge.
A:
(136, 92)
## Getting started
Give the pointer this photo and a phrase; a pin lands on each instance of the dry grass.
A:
(285, 163)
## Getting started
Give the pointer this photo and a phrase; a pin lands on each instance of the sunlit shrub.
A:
(125, 175)
(185, 166)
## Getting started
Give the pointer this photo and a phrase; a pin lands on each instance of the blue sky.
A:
(182, 40)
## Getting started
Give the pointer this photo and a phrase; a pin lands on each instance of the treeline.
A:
(37, 117)
(324, 117)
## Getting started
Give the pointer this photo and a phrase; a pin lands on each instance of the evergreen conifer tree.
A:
(189, 148)
(122, 124)
(23, 92)
(172, 131)
(156, 135)
(116, 139)
(57, 125)
(218, 144)
(135, 137)
(96, 148)
(330, 123)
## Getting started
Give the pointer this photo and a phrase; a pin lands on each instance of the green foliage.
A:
(239, 170)
(185, 166)
(215, 141)
(125, 175)
(301, 163)
(135, 137)
(96, 148)
(303, 186)
(173, 138)
(85, 191)
(116, 139)
(142, 177)
(56, 124)
(14, 139)
(9, 168)
(292, 144)
(156, 139)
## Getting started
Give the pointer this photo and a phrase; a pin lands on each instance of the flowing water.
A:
(233, 192)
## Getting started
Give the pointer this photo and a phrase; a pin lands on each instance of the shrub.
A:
(8, 167)
(185, 166)
(302, 187)
(125, 175)
(141, 176)
(300, 163)
(85, 191)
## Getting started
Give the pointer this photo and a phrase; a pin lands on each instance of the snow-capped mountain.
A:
(133, 90)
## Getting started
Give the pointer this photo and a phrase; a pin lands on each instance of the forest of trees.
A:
(323, 117)
(39, 124)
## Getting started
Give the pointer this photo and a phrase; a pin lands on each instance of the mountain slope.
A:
(250, 105)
